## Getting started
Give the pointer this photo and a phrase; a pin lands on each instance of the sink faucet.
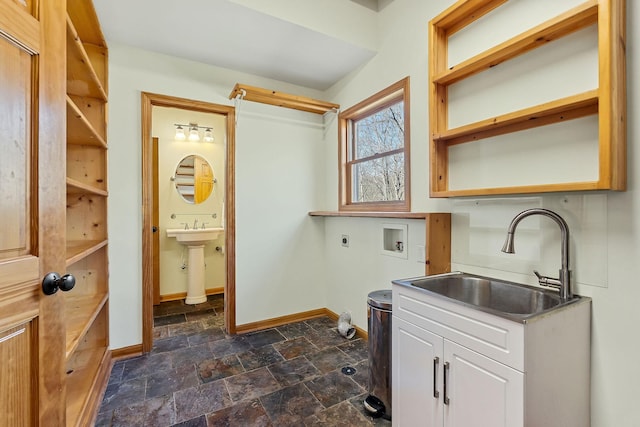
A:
(563, 283)
(195, 223)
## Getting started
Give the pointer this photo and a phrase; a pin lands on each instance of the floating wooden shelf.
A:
(408, 215)
(280, 99)
(608, 101)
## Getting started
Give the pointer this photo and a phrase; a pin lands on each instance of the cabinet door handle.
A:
(436, 362)
(446, 375)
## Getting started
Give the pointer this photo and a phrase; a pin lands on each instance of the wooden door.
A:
(203, 180)
(32, 211)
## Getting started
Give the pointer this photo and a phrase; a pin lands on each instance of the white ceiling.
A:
(230, 35)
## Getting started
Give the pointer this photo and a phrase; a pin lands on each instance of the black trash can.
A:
(378, 403)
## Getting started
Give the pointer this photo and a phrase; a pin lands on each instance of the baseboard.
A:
(183, 295)
(291, 318)
(126, 352)
(91, 406)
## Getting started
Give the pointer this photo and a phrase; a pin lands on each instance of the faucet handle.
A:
(203, 225)
(186, 225)
(549, 282)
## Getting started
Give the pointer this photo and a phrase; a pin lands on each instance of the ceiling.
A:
(243, 35)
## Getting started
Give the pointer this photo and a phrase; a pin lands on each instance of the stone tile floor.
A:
(196, 375)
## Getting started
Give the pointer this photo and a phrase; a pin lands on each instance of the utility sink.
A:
(195, 236)
(511, 300)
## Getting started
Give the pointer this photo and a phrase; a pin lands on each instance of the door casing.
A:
(149, 100)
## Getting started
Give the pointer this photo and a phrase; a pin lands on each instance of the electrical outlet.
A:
(421, 254)
(345, 240)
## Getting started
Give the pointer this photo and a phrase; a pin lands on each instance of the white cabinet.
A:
(454, 366)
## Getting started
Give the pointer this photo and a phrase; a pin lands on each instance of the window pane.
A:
(380, 132)
(379, 180)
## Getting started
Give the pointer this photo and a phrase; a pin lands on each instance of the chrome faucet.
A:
(563, 283)
(195, 223)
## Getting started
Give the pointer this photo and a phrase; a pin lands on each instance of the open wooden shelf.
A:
(582, 16)
(80, 249)
(82, 78)
(87, 371)
(607, 101)
(573, 107)
(81, 312)
(79, 130)
(280, 99)
(77, 187)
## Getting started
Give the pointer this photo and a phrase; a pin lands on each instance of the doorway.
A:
(150, 100)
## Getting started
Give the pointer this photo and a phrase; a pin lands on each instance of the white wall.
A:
(174, 212)
(279, 248)
(604, 242)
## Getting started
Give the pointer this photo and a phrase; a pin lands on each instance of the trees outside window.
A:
(374, 152)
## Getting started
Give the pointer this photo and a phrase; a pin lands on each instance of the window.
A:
(374, 152)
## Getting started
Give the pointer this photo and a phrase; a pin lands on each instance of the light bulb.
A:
(180, 136)
(193, 134)
(208, 135)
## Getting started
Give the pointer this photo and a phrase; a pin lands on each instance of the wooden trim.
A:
(182, 295)
(296, 317)
(437, 244)
(126, 352)
(156, 221)
(149, 100)
(399, 91)
(279, 321)
(281, 99)
(407, 215)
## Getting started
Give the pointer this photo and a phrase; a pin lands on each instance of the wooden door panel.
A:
(18, 389)
(15, 161)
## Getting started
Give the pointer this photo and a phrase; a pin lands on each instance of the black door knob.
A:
(52, 282)
(154, 228)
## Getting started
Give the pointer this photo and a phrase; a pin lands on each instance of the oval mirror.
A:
(194, 179)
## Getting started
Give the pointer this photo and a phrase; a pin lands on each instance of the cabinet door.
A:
(417, 376)
(32, 241)
(481, 391)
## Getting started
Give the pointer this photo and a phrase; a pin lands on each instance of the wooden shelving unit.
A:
(607, 101)
(86, 306)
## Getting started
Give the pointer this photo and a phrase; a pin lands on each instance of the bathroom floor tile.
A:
(259, 357)
(357, 348)
(215, 369)
(229, 345)
(169, 319)
(343, 414)
(259, 339)
(203, 399)
(251, 384)
(294, 330)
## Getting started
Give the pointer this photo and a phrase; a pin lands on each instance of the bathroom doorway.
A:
(151, 229)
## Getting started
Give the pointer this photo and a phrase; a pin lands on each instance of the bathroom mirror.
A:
(194, 179)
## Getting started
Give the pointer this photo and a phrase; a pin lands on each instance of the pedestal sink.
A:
(195, 240)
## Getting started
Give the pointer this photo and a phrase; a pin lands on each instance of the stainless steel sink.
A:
(506, 299)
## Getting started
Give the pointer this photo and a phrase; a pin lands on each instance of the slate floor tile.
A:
(250, 413)
(343, 414)
(295, 347)
(358, 349)
(333, 388)
(229, 345)
(167, 382)
(259, 357)
(259, 339)
(203, 399)
(294, 330)
(321, 323)
(215, 369)
(329, 359)
(293, 371)
(123, 393)
(251, 384)
(289, 406)
(169, 319)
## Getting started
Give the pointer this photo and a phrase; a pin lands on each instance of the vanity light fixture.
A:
(194, 132)
(208, 135)
(180, 136)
